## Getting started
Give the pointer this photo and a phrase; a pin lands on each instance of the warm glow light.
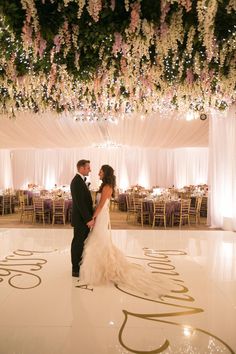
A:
(190, 115)
(156, 192)
(188, 331)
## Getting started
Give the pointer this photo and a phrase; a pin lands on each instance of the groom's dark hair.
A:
(81, 163)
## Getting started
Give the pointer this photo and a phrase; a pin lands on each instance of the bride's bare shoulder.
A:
(107, 189)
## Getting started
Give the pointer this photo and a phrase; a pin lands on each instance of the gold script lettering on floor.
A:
(60, 315)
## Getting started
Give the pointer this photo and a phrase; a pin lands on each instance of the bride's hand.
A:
(91, 223)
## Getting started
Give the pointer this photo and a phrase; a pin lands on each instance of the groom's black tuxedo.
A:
(82, 207)
(82, 211)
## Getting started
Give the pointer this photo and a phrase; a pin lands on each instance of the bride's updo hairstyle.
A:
(109, 178)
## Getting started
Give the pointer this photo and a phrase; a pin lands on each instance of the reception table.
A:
(48, 205)
(172, 206)
(68, 205)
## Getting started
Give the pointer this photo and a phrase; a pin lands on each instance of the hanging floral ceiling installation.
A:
(100, 57)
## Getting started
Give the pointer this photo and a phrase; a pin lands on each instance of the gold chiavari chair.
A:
(183, 214)
(140, 213)
(159, 212)
(194, 211)
(40, 212)
(130, 206)
(114, 202)
(58, 211)
(203, 211)
(6, 204)
(26, 211)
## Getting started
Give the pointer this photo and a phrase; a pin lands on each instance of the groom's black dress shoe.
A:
(75, 274)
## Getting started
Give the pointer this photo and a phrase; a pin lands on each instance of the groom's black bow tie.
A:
(85, 179)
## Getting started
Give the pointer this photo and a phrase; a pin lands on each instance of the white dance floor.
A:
(46, 311)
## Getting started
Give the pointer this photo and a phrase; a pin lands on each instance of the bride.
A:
(102, 262)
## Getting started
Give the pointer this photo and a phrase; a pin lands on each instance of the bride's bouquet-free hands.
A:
(91, 223)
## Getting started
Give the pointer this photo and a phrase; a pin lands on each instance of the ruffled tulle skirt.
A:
(103, 263)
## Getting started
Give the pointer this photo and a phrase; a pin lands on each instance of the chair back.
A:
(58, 206)
(23, 200)
(185, 206)
(138, 204)
(159, 212)
(39, 210)
(130, 202)
(58, 210)
(199, 204)
(38, 205)
(6, 204)
(159, 207)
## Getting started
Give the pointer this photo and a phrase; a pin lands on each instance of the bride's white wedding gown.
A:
(103, 262)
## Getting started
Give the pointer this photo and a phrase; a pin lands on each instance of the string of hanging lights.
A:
(114, 58)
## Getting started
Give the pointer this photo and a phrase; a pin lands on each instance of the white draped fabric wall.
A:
(6, 170)
(163, 157)
(222, 171)
(146, 167)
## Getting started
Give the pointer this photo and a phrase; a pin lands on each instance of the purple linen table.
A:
(68, 205)
(171, 207)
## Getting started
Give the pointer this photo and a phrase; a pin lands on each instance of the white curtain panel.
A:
(6, 170)
(146, 167)
(222, 170)
(190, 166)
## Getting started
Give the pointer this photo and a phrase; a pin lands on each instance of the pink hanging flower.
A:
(94, 8)
(135, 16)
(189, 76)
(113, 4)
(187, 4)
(203, 75)
(57, 42)
(211, 74)
(27, 34)
(66, 32)
(20, 80)
(164, 29)
(97, 84)
(165, 7)
(117, 44)
(52, 77)
(42, 46)
(77, 57)
(124, 49)
(123, 65)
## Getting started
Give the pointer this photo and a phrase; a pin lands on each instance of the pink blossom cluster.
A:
(113, 4)
(187, 4)
(116, 48)
(94, 8)
(27, 32)
(135, 16)
(165, 7)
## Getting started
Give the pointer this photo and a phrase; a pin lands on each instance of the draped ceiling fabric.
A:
(51, 131)
(157, 150)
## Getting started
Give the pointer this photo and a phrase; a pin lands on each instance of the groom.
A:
(82, 212)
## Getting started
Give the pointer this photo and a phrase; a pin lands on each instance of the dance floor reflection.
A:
(46, 311)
